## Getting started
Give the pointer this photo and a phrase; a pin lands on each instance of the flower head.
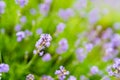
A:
(22, 3)
(2, 7)
(20, 35)
(46, 57)
(47, 78)
(72, 78)
(62, 73)
(30, 77)
(4, 67)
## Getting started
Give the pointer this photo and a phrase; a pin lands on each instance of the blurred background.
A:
(85, 37)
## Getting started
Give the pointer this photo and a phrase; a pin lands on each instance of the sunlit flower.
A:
(2, 7)
(4, 67)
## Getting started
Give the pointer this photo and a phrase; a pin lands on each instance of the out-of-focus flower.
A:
(44, 9)
(39, 31)
(47, 78)
(32, 11)
(116, 26)
(2, 7)
(72, 78)
(44, 41)
(88, 47)
(60, 27)
(62, 73)
(30, 77)
(63, 46)
(47, 1)
(18, 27)
(105, 78)
(66, 14)
(4, 67)
(82, 77)
(114, 70)
(80, 54)
(28, 33)
(20, 35)
(23, 19)
(22, 3)
(46, 57)
(94, 70)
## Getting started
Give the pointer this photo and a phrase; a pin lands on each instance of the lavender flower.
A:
(32, 11)
(63, 46)
(39, 31)
(44, 9)
(30, 77)
(47, 1)
(28, 33)
(82, 77)
(94, 70)
(4, 67)
(62, 73)
(44, 41)
(60, 27)
(18, 27)
(22, 3)
(114, 70)
(72, 78)
(46, 57)
(20, 35)
(2, 7)
(116, 26)
(23, 19)
(89, 47)
(47, 78)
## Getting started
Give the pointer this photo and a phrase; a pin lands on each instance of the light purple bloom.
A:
(2, 7)
(30, 77)
(62, 73)
(23, 19)
(20, 35)
(94, 70)
(46, 57)
(44, 9)
(116, 26)
(47, 1)
(41, 54)
(60, 27)
(4, 67)
(72, 78)
(32, 11)
(63, 46)
(88, 47)
(18, 27)
(82, 77)
(39, 31)
(28, 33)
(44, 41)
(22, 3)
(47, 78)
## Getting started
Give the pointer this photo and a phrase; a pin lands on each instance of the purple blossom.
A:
(39, 31)
(72, 78)
(116, 26)
(48, 1)
(66, 14)
(82, 77)
(44, 41)
(18, 27)
(60, 27)
(62, 73)
(115, 39)
(23, 19)
(4, 67)
(2, 7)
(28, 33)
(94, 70)
(47, 78)
(63, 46)
(44, 9)
(46, 57)
(88, 47)
(22, 3)
(30, 77)
(20, 35)
(32, 11)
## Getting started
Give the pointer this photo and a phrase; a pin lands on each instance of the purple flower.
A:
(28, 33)
(82, 77)
(94, 70)
(115, 39)
(114, 70)
(47, 78)
(72, 78)
(63, 46)
(66, 14)
(62, 73)
(30, 77)
(44, 9)
(18, 27)
(80, 54)
(23, 19)
(89, 47)
(46, 57)
(32, 11)
(47, 1)
(39, 31)
(60, 27)
(116, 26)
(20, 35)
(22, 3)
(44, 41)
(2, 7)
(4, 67)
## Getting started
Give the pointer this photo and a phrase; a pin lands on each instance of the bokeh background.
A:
(88, 26)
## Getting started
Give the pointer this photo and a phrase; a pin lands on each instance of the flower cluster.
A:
(2, 7)
(30, 77)
(4, 67)
(22, 3)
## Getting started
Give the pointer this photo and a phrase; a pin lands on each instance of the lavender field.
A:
(59, 39)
